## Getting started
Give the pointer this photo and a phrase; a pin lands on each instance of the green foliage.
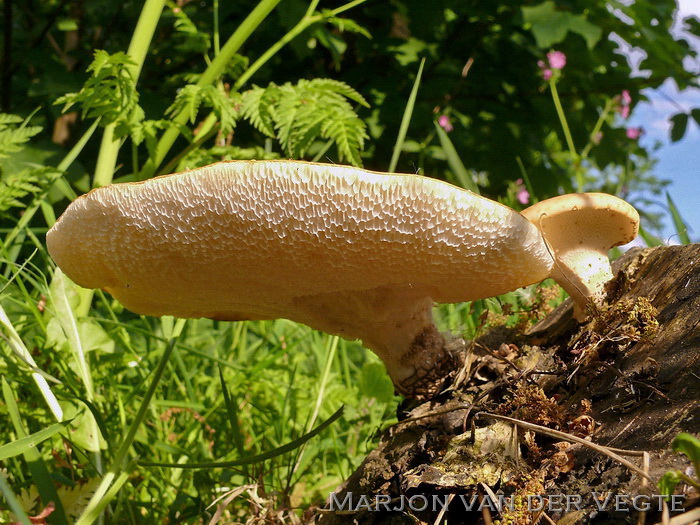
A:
(551, 26)
(109, 93)
(12, 136)
(678, 222)
(17, 184)
(191, 97)
(690, 446)
(189, 37)
(679, 123)
(299, 114)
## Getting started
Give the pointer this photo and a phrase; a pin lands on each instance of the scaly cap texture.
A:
(348, 251)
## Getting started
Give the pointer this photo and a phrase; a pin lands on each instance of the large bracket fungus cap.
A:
(351, 252)
(580, 229)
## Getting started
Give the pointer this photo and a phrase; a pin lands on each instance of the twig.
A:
(568, 437)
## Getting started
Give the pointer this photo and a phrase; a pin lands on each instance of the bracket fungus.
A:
(580, 229)
(351, 252)
(359, 254)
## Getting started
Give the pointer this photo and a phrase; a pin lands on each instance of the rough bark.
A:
(616, 380)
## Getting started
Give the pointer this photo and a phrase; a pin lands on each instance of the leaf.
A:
(692, 24)
(454, 161)
(22, 445)
(695, 113)
(690, 446)
(679, 123)
(668, 482)
(678, 222)
(551, 26)
(375, 382)
(298, 115)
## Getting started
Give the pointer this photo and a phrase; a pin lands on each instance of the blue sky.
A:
(678, 162)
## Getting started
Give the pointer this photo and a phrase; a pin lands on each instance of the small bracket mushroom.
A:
(580, 229)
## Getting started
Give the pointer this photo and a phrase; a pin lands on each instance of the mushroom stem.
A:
(396, 325)
(583, 274)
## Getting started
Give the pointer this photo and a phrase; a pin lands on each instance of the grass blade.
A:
(233, 419)
(254, 459)
(22, 445)
(454, 161)
(12, 502)
(406, 119)
(18, 347)
(678, 222)
(35, 463)
(649, 239)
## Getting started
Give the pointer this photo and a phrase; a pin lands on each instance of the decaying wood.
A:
(618, 380)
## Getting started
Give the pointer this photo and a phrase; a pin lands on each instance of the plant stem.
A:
(567, 132)
(305, 22)
(596, 129)
(138, 47)
(210, 75)
(308, 19)
(103, 494)
(217, 44)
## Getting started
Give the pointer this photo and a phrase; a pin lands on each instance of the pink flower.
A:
(444, 122)
(634, 133)
(523, 196)
(626, 98)
(547, 74)
(557, 59)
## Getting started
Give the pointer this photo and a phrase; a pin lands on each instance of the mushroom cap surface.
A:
(597, 220)
(254, 239)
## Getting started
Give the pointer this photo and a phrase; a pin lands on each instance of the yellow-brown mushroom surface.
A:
(244, 239)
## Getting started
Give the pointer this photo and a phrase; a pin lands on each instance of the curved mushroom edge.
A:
(579, 230)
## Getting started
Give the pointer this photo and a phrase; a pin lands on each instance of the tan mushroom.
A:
(351, 252)
(581, 228)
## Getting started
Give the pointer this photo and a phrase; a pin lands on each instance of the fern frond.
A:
(109, 93)
(11, 136)
(15, 186)
(191, 38)
(257, 107)
(298, 115)
(188, 100)
(191, 97)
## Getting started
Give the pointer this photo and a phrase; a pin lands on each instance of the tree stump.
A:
(619, 380)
